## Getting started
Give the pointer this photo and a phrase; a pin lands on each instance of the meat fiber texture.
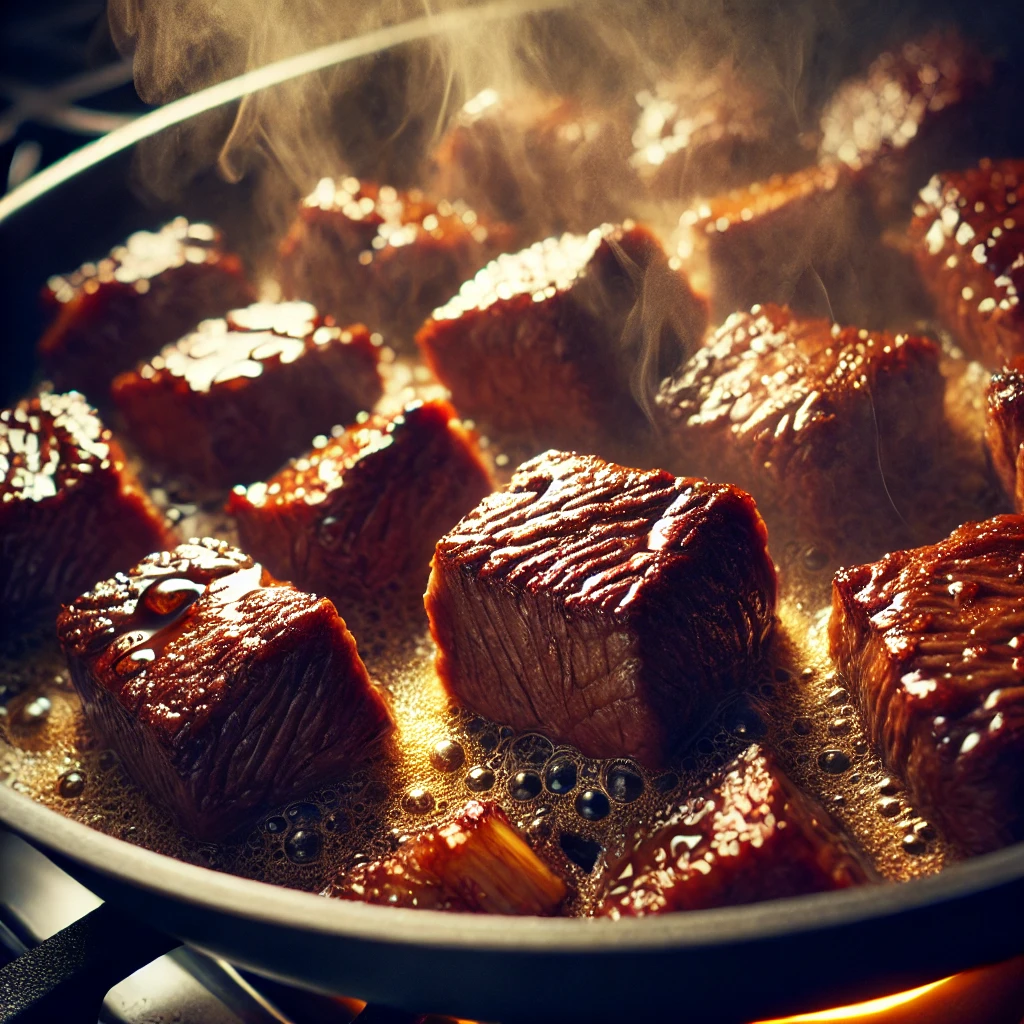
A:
(610, 608)
(109, 314)
(386, 258)
(751, 836)
(968, 236)
(932, 641)
(1004, 432)
(914, 109)
(71, 512)
(230, 402)
(224, 692)
(361, 512)
(805, 414)
(541, 347)
(476, 863)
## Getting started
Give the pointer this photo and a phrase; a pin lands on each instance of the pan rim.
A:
(256, 901)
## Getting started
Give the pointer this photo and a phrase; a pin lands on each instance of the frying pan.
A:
(707, 967)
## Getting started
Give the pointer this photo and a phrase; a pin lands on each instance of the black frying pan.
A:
(724, 965)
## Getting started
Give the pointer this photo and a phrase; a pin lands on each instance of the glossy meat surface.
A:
(968, 233)
(908, 114)
(540, 163)
(609, 608)
(146, 293)
(373, 254)
(541, 345)
(224, 691)
(71, 512)
(476, 863)
(802, 412)
(1004, 432)
(751, 836)
(232, 401)
(932, 640)
(363, 511)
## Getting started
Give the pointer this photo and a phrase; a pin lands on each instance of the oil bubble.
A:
(524, 785)
(561, 776)
(624, 783)
(418, 800)
(593, 805)
(479, 780)
(834, 762)
(447, 756)
(71, 784)
(303, 846)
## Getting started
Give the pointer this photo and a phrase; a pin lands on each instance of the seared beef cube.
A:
(969, 243)
(541, 346)
(144, 294)
(751, 836)
(910, 112)
(232, 401)
(540, 163)
(71, 512)
(476, 864)
(932, 641)
(1005, 430)
(807, 415)
(609, 608)
(757, 243)
(361, 512)
(387, 258)
(224, 691)
(705, 133)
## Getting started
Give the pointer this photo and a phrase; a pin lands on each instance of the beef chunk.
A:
(541, 346)
(380, 256)
(701, 134)
(363, 510)
(969, 244)
(805, 414)
(932, 640)
(751, 836)
(542, 164)
(71, 512)
(234, 399)
(609, 608)
(148, 292)
(911, 111)
(1005, 430)
(224, 691)
(477, 864)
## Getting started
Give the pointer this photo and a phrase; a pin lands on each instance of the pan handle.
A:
(66, 977)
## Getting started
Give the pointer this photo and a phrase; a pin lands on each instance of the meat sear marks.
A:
(71, 512)
(1004, 431)
(968, 236)
(541, 346)
(362, 511)
(751, 836)
(232, 401)
(145, 294)
(476, 863)
(609, 608)
(932, 640)
(805, 413)
(386, 258)
(224, 691)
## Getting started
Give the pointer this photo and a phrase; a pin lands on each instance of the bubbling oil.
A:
(576, 812)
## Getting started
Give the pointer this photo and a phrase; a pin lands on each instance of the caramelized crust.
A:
(71, 512)
(751, 836)
(541, 346)
(569, 601)
(224, 691)
(805, 413)
(1005, 430)
(146, 293)
(475, 864)
(909, 113)
(362, 512)
(231, 401)
(969, 244)
(933, 641)
(362, 252)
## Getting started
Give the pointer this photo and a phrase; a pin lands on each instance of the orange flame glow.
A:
(861, 1010)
